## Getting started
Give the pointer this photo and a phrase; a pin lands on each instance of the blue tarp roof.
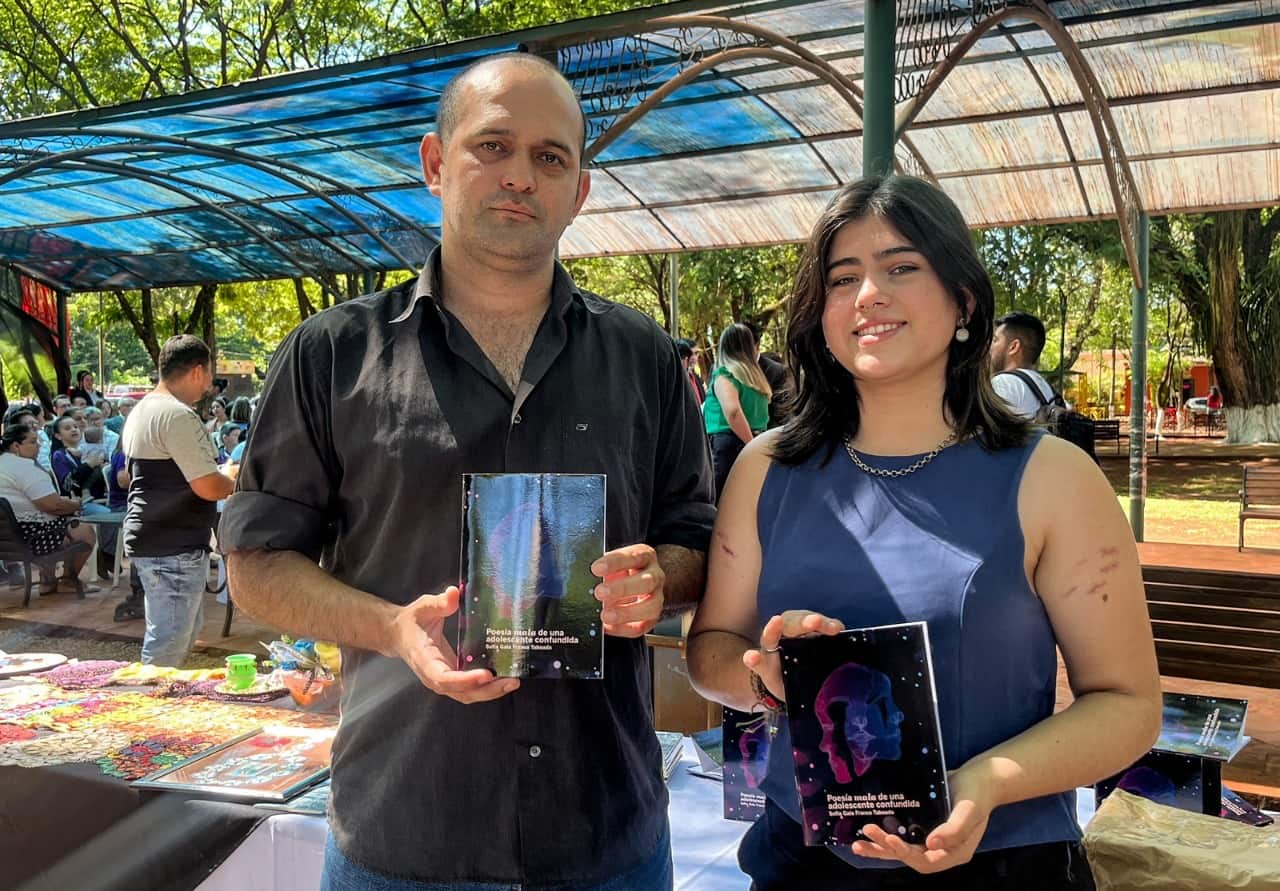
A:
(314, 170)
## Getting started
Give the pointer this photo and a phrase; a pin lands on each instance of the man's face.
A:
(60, 406)
(79, 402)
(510, 177)
(1000, 347)
(95, 423)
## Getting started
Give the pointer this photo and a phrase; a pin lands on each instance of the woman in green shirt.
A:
(737, 406)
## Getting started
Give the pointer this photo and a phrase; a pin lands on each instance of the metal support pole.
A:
(1062, 345)
(63, 346)
(102, 350)
(879, 36)
(369, 281)
(1138, 386)
(673, 292)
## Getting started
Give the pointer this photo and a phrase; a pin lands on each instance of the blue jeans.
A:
(173, 589)
(341, 874)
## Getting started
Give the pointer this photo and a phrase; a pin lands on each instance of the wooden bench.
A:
(1215, 626)
(1215, 614)
(1259, 495)
(1107, 429)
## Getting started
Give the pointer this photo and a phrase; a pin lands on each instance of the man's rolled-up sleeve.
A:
(290, 473)
(683, 501)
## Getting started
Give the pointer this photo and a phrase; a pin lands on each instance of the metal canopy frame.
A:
(714, 125)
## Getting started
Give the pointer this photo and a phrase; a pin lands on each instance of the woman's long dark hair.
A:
(826, 400)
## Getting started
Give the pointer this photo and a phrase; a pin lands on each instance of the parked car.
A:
(1198, 405)
(121, 391)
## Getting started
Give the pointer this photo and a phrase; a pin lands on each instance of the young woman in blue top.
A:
(903, 490)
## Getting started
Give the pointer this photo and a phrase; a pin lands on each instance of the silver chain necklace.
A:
(901, 471)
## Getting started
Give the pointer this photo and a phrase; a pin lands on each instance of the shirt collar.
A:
(563, 291)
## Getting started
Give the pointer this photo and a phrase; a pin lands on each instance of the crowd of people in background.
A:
(59, 467)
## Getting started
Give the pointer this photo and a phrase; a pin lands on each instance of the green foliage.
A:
(716, 288)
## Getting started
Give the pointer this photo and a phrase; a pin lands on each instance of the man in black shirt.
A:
(491, 361)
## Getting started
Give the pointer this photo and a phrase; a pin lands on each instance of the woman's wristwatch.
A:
(764, 697)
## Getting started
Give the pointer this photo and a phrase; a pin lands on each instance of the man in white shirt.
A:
(1015, 350)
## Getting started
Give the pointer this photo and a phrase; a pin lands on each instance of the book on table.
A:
(1198, 734)
(746, 738)
(862, 712)
(528, 607)
(671, 744)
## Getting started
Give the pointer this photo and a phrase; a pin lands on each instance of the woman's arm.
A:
(727, 393)
(57, 505)
(722, 651)
(1083, 564)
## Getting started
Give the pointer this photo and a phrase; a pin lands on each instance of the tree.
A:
(1226, 269)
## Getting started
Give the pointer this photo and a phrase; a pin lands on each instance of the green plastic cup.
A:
(242, 670)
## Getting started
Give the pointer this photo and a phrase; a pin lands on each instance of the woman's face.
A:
(220, 411)
(888, 317)
(231, 439)
(29, 447)
(70, 433)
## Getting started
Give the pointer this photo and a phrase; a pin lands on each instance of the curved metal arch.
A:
(655, 98)
(170, 144)
(1124, 191)
(711, 21)
(118, 168)
(57, 161)
(803, 58)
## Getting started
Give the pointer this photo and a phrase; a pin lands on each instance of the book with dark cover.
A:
(528, 596)
(745, 742)
(1207, 726)
(1236, 808)
(862, 710)
(1187, 782)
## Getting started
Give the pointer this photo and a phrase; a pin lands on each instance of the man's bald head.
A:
(449, 109)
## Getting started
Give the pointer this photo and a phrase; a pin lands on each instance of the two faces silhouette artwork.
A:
(860, 721)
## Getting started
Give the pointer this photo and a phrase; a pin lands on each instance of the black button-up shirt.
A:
(372, 413)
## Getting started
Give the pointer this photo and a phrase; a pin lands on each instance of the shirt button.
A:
(516, 419)
(535, 751)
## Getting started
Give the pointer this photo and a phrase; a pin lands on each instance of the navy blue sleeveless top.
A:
(942, 545)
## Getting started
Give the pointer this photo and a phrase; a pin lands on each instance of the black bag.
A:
(1059, 420)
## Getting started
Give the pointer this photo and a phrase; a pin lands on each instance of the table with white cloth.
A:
(286, 852)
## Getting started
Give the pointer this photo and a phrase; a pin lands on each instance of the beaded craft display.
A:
(126, 732)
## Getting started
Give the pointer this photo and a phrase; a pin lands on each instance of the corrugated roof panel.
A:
(726, 175)
(988, 145)
(1028, 196)
(747, 222)
(618, 232)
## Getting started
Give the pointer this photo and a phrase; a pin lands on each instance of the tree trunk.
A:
(145, 325)
(1259, 423)
(1226, 281)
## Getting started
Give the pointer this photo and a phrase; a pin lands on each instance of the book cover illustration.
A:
(746, 738)
(1187, 782)
(528, 604)
(862, 710)
(1208, 726)
(1236, 808)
